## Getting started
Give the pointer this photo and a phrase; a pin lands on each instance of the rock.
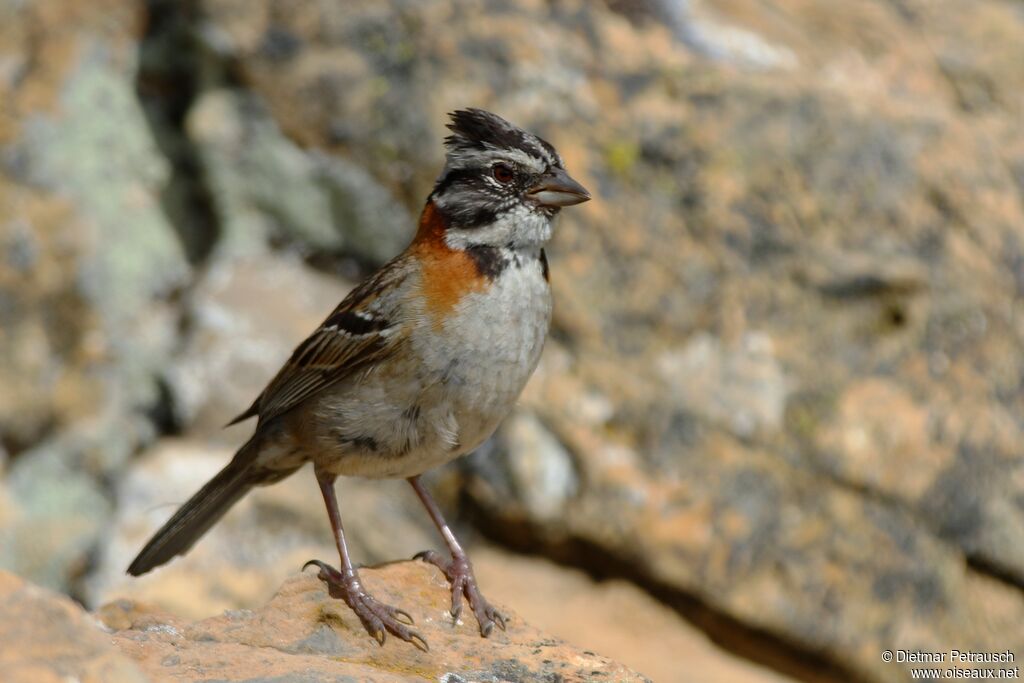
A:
(46, 638)
(302, 632)
(878, 439)
(614, 617)
(56, 516)
(93, 253)
(90, 262)
(376, 70)
(543, 475)
(264, 186)
(744, 389)
(698, 27)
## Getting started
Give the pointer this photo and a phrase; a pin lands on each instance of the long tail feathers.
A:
(202, 511)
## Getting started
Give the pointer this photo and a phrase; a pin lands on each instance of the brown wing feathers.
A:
(352, 336)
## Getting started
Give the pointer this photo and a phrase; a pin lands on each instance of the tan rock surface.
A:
(614, 617)
(88, 260)
(303, 633)
(46, 638)
(88, 251)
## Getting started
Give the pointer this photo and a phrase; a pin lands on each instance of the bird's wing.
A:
(364, 329)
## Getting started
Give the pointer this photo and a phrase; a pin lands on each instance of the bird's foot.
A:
(460, 575)
(378, 619)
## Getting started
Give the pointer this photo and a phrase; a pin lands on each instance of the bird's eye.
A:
(502, 173)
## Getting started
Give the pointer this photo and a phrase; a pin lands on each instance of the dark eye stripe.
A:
(473, 218)
(453, 176)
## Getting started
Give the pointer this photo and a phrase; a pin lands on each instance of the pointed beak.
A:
(556, 188)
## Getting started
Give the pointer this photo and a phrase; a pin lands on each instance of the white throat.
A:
(521, 228)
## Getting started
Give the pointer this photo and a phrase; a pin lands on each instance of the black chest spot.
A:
(490, 262)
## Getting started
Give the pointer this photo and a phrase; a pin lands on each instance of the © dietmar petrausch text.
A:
(955, 664)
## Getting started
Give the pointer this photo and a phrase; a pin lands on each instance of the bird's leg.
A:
(458, 569)
(377, 617)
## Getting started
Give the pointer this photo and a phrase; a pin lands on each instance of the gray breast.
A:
(455, 386)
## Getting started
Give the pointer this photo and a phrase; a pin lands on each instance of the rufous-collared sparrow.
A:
(417, 365)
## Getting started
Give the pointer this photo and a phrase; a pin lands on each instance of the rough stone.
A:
(266, 187)
(543, 473)
(82, 221)
(744, 389)
(57, 514)
(90, 261)
(300, 634)
(46, 638)
(303, 632)
(612, 616)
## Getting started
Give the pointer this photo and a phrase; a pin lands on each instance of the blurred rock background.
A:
(782, 407)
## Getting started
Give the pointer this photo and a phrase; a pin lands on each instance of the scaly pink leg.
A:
(377, 618)
(458, 569)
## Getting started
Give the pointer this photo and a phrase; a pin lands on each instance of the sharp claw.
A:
(317, 563)
(405, 616)
(500, 621)
(430, 556)
(485, 630)
(456, 610)
(417, 640)
(381, 636)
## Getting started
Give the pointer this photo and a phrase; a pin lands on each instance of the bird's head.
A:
(501, 186)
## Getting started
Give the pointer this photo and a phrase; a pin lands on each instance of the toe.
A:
(331, 577)
(402, 616)
(498, 618)
(417, 640)
(434, 558)
(458, 586)
(401, 630)
(325, 571)
(377, 618)
(483, 619)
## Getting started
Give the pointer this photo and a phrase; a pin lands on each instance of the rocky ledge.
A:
(300, 634)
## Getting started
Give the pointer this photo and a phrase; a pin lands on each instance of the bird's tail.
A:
(194, 518)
